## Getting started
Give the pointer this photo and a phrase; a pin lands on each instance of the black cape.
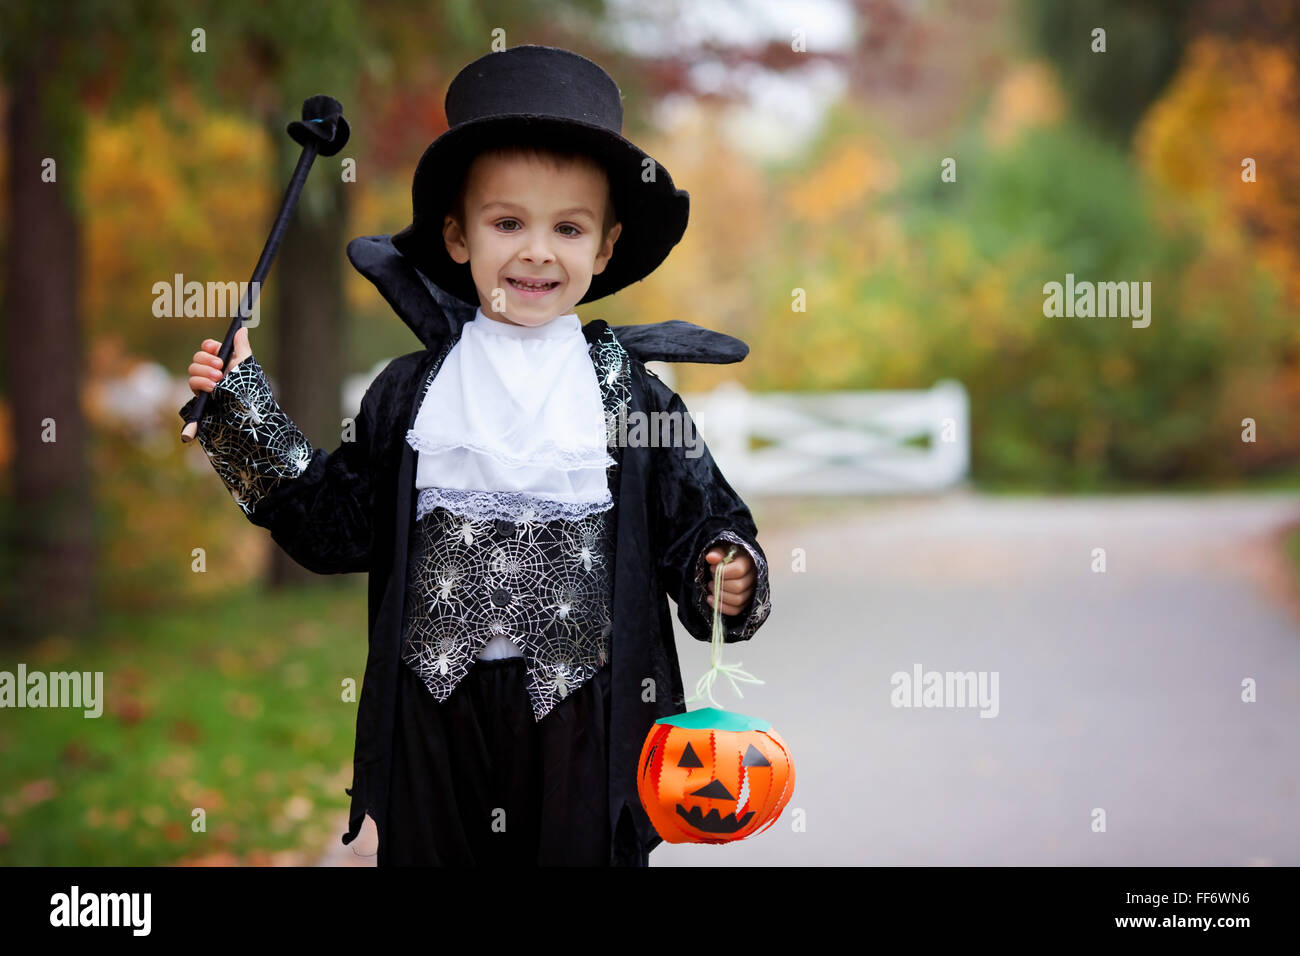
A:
(352, 509)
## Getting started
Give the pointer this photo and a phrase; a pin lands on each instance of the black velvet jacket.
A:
(352, 510)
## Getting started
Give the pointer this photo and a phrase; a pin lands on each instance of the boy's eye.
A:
(502, 224)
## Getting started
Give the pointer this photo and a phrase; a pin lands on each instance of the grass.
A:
(233, 708)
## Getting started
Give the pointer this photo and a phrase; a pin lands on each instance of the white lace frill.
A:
(513, 425)
(510, 506)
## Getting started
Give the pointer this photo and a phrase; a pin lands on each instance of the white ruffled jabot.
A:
(513, 425)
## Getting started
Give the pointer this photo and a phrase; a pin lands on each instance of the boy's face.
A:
(527, 219)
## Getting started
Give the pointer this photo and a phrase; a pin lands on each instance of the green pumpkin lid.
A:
(711, 718)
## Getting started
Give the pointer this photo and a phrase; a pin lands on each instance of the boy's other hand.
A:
(205, 370)
(738, 579)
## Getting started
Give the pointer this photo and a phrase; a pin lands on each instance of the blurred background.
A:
(931, 460)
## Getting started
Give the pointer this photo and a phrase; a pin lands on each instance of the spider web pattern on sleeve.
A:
(253, 445)
(735, 627)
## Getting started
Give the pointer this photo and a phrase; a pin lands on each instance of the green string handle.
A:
(733, 673)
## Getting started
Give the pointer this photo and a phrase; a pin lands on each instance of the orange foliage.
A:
(1230, 101)
(854, 172)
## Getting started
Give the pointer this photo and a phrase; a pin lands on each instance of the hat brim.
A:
(652, 211)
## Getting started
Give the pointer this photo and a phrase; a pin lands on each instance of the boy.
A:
(518, 548)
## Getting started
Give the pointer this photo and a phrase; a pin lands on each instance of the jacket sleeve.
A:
(692, 508)
(316, 504)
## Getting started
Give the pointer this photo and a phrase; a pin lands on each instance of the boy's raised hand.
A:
(738, 579)
(205, 370)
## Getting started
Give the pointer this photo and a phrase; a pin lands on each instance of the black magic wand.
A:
(322, 132)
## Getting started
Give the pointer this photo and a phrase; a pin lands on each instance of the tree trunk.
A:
(309, 319)
(51, 542)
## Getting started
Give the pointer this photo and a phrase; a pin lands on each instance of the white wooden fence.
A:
(836, 442)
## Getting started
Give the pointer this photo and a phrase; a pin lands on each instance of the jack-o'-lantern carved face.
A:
(711, 776)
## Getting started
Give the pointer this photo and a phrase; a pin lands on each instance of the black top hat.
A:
(548, 97)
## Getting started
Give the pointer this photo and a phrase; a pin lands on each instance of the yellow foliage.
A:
(953, 253)
(1028, 96)
(165, 198)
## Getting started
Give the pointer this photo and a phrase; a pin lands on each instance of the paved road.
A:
(1118, 691)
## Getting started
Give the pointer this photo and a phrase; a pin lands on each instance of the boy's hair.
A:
(556, 157)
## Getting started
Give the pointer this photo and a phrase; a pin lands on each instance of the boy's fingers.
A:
(741, 560)
(734, 570)
(242, 349)
(740, 587)
(738, 579)
(737, 582)
(740, 594)
(731, 606)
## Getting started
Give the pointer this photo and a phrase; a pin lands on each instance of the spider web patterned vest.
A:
(545, 584)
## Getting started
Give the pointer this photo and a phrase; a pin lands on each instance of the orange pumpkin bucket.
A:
(710, 775)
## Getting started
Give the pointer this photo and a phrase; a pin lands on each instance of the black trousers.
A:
(476, 781)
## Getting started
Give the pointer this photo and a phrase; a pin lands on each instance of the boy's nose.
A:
(537, 251)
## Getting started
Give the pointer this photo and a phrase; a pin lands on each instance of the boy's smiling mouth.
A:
(533, 288)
